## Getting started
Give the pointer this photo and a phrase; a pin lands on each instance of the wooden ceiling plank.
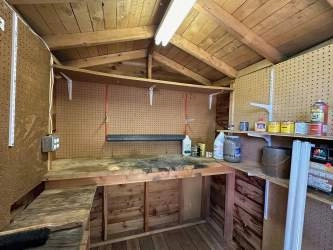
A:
(135, 13)
(26, 2)
(239, 30)
(187, 22)
(330, 2)
(82, 16)
(110, 14)
(232, 5)
(146, 12)
(66, 15)
(99, 37)
(282, 14)
(247, 8)
(180, 68)
(123, 10)
(309, 13)
(33, 17)
(55, 24)
(107, 59)
(202, 55)
(199, 29)
(95, 8)
(263, 12)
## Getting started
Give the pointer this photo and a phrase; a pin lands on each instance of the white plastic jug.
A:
(186, 149)
(218, 146)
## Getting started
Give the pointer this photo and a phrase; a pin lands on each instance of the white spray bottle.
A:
(218, 146)
(186, 147)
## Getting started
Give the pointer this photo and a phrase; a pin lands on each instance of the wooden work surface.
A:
(111, 171)
(59, 207)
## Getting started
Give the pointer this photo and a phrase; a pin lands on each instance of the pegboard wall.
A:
(23, 166)
(300, 82)
(253, 87)
(80, 123)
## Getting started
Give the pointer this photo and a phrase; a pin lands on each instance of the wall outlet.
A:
(2, 24)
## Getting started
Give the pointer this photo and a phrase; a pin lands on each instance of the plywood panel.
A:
(22, 166)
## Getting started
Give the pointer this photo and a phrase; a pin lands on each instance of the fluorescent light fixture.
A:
(174, 16)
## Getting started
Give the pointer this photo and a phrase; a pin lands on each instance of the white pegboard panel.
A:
(301, 81)
(253, 87)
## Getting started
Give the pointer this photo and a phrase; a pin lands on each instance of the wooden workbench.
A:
(111, 171)
(60, 207)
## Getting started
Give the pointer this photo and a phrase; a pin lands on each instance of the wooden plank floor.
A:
(201, 237)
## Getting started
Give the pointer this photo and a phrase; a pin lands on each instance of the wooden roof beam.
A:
(202, 55)
(107, 59)
(180, 68)
(64, 41)
(330, 2)
(18, 2)
(239, 30)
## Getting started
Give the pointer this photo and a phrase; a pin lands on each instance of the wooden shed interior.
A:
(90, 74)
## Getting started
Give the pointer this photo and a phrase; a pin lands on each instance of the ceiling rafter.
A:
(180, 68)
(107, 59)
(239, 30)
(330, 2)
(64, 41)
(202, 55)
(18, 2)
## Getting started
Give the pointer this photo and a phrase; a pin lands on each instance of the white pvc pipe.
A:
(296, 150)
(299, 208)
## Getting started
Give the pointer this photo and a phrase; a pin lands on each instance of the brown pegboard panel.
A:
(318, 225)
(80, 122)
(253, 87)
(301, 81)
(23, 166)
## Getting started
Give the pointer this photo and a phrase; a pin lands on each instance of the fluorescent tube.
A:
(174, 16)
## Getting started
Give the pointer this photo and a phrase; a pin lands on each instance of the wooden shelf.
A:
(157, 137)
(326, 138)
(255, 169)
(84, 75)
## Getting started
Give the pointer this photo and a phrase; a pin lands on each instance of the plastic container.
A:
(218, 146)
(232, 149)
(186, 146)
(301, 128)
(201, 149)
(260, 126)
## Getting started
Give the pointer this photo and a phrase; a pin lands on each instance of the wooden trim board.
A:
(94, 76)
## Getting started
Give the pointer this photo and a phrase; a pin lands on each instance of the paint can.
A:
(244, 126)
(201, 149)
(274, 127)
(301, 128)
(194, 151)
(318, 129)
(287, 127)
(319, 112)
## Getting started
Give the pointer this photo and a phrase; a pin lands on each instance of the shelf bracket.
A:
(151, 94)
(210, 99)
(267, 138)
(69, 85)
(268, 107)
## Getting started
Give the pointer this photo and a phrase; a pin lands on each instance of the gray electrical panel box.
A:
(50, 143)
